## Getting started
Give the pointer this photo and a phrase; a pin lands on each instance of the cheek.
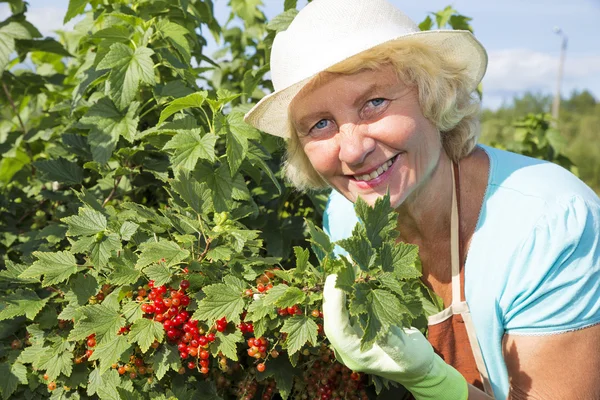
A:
(323, 156)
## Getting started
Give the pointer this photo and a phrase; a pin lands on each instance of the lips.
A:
(380, 170)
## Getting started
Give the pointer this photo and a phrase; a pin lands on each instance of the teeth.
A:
(382, 168)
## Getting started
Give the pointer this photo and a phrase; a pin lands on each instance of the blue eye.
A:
(322, 124)
(377, 102)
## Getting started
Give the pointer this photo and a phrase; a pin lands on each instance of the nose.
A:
(355, 144)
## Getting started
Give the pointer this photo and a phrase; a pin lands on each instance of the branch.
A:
(113, 191)
(14, 108)
(206, 248)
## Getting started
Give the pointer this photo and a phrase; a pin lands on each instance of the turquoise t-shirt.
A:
(533, 266)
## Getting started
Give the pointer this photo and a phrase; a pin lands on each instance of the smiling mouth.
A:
(382, 168)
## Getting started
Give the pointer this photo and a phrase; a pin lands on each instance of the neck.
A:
(424, 217)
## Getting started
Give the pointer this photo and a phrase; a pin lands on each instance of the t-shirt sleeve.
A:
(554, 283)
(339, 219)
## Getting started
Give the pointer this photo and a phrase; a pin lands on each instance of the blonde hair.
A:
(445, 97)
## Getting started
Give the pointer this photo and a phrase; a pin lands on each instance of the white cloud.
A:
(514, 71)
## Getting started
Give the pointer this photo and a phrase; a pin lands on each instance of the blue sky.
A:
(518, 34)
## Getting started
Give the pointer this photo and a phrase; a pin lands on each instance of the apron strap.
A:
(455, 238)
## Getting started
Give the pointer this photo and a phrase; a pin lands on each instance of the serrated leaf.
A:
(190, 190)
(426, 24)
(101, 250)
(379, 221)
(104, 385)
(321, 244)
(128, 68)
(282, 21)
(55, 267)
(107, 124)
(164, 359)
(123, 272)
(359, 248)
(400, 259)
(75, 8)
(144, 332)
(132, 311)
(292, 296)
(8, 34)
(236, 150)
(189, 147)
(220, 301)
(12, 376)
(359, 300)
(128, 229)
(61, 170)
(346, 276)
(86, 222)
(194, 100)
(302, 256)
(22, 302)
(283, 372)
(110, 351)
(227, 344)
(219, 253)
(82, 287)
(384, 310)
(159, 273)
(274, 294)
(152, 252)
(97, 319)
(257, 310)
(57, 360)
(300, 329)
(235, 283)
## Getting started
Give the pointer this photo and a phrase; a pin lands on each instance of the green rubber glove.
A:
(403, 356)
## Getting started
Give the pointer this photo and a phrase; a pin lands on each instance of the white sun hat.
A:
(327, 32)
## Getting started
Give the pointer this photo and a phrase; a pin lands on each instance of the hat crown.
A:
(327, 32)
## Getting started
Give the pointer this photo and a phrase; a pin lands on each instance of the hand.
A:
(404, 355)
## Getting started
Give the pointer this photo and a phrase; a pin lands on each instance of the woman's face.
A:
(365, 134)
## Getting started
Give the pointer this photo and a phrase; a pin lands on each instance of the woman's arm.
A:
(557, 366)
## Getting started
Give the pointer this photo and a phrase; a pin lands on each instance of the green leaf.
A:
(442, 17)
(302, 256)
(123, 272)
(128, 229)
(55, 267)
(12, 374)
(274, 294)
(46, 45)
(97, 319)
(400, 259)
(321, 244)
(176, 35)
(57, 360)
(82, 287)
(87, 222)
(384, 310)
(76, 7)
(346, 277)
(226, 343)
(60, 170)
(144, 332)
(132, 311)
(104, 385)
(110, 351)
(164, 359)
(188, 147)
(194, 100)
(220, 301)
(290, 4)
(257, 310)
(237, 149)
(192, 192)
(291, 297)
(359, 248)
(379, 221)
(300, 329)
(22, 302)
(8, 34)
(128, 68)
(101, 250)
(282, 21)
(165, 251)
(283, 372)
(426, 24)
(107, 125)
(359, 300)
(159, 273)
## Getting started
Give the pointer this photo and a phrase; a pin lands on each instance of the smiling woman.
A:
(369, 105)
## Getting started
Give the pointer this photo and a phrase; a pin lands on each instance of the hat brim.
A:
(270, 114)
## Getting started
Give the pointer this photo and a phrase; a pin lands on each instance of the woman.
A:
(369, 104)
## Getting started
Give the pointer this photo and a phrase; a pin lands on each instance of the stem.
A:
(208, 241)
(14, 108)
(112, 192)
